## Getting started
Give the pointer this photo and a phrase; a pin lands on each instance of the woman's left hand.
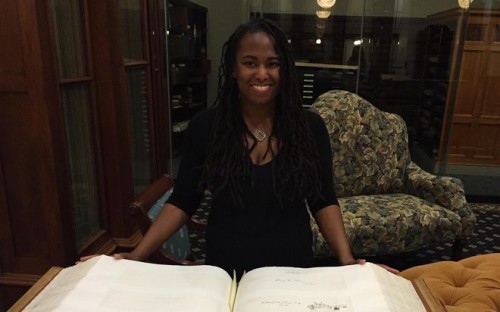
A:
(388, 268)
(363, 261)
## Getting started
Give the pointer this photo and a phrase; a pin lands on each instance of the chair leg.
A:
(457, 248)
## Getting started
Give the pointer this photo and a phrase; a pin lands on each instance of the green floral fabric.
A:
(389, 204)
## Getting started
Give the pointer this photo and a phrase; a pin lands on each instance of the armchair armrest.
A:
(444, 191)
(144, 203)
(141, 205)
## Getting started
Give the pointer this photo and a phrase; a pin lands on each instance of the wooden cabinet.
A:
(188, 66)
(69, 81)
(475, 120)
(32, 187)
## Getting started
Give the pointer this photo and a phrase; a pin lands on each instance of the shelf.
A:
(187, 65)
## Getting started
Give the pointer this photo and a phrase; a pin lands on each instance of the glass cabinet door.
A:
(137, 68)
(75, 87)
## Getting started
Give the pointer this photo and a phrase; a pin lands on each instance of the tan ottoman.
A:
(469, 285)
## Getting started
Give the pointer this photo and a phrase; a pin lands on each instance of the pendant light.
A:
(326, 4)
(464, 4)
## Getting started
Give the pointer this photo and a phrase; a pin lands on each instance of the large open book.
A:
(106, 284)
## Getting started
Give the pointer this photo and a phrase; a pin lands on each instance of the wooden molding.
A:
(129, 242)
(35, 290)
(18, 279)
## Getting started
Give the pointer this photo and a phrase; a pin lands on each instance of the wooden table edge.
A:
(425, 294)
(34, 290)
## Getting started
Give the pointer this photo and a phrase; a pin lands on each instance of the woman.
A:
(263, 157)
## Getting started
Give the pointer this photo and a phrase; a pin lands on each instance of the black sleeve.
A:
(322, 142)
(186, 194)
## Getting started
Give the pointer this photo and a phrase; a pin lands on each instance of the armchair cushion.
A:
(471, 284)
(391, 223)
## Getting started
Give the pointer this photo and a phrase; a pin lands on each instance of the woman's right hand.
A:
(85, 258)
(117, 256)
(125, 255)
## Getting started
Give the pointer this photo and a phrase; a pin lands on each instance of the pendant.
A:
(259, 135)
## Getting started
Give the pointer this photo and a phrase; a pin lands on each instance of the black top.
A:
(262, 232)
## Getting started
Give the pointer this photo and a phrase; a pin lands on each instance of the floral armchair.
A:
(390, 205)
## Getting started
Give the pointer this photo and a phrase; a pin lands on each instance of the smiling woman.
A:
(262, 157)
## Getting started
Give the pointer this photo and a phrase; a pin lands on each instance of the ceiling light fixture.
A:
(326, 4)
(464, 4)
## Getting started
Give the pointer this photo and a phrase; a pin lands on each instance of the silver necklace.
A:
(259, 135)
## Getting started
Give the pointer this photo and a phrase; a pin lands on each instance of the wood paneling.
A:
(33, 207)
(12, 74)
(26, 156)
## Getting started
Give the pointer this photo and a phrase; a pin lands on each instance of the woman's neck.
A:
(258, 117)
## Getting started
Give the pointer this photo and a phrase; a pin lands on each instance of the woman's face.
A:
(257, 70)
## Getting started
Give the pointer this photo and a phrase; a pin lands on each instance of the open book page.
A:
(354, 288)
(105, 284)
(399, 292)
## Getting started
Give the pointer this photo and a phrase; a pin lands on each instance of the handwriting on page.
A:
(295, 281)
(316, 306)
(281, 289)
(324, 307)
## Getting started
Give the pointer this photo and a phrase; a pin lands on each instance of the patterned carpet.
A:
(485, 240)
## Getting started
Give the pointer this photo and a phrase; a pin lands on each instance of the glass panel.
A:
(139, 126)
(408, 57)
(137, 89)
(132, 29)
(81, 155)
(396, 54)
(68, 20)
(476, 32)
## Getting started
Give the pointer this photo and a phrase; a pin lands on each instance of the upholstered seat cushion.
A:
(469, 285)
(391, 223)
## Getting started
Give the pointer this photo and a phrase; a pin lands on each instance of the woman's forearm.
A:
(169, 221)
(331, 225)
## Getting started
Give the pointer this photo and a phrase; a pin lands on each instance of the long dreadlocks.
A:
(226, 163)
